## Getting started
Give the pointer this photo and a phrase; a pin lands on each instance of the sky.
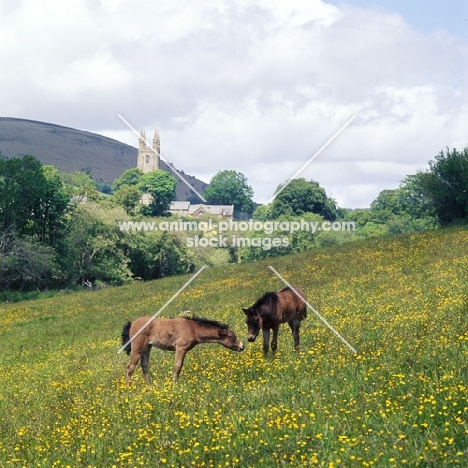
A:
(258, 86)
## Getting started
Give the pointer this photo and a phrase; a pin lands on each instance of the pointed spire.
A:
(142, 140)
(156, 142)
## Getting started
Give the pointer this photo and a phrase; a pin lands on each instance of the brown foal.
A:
(172, 334)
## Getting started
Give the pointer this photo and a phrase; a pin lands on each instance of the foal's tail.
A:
(304, 313)
(126, 337)
(302, 305)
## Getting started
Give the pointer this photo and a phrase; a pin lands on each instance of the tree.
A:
(301, 196)
(361, 216)
(24, 262)
(103, 187)
(388, 201)
(446, 185)
(129, 177)
(231, 188)
(161, 186)
(414, 200)
(33, 199)
(52, 220)
(157, 254)
(262, 213)
(82, 186)
(96, 247)
(404, 209)
(406, 201)
(128, 196)
(21, 184)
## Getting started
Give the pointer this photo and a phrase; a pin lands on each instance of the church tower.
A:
(148, 160)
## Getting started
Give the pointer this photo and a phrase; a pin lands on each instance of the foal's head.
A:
(229, 339)
(253, 321)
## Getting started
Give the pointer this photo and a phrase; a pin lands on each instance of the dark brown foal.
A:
(273, 309)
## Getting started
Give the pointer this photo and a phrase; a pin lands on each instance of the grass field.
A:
(402, 400)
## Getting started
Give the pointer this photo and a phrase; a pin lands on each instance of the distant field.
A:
(401, 401)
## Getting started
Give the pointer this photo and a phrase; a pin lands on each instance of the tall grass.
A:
(402, 400)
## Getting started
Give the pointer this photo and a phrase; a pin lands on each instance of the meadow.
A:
(402, 400)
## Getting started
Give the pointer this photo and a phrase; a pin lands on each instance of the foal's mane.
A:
(205, 321)
(264, 298)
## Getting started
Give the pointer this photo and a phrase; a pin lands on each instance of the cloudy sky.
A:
(252, 85)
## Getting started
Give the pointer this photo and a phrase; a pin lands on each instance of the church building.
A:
(148, 158)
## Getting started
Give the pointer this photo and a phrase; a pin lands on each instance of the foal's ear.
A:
(222, 332)
(246, 311)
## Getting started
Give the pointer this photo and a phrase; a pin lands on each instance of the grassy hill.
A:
(71, 150)
(401, 401)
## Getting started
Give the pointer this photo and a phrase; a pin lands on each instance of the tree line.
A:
(57, 230)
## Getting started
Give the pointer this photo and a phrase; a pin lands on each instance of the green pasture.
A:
(401, 401)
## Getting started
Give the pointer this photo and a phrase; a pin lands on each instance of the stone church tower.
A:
(148, 160)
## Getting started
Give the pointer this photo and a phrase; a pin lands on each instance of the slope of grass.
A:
(402, 400)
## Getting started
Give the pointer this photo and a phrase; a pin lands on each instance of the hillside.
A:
(401, 401)
(69, 150)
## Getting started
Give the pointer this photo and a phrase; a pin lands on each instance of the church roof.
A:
(184, 207)
(219, 210)
(180, 206)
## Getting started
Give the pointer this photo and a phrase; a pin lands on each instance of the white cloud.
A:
(98, 74)
(257, 86)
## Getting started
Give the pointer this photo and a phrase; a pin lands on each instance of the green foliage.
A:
(24, 263)
(157, 254)
(301, 196)
(21, 186)
(405, 209)
(275, 241)
(217, 258)
(231, 188)
(53, 216)
(446, 185)
(414, 200)
(360, 216)
(161, 186)
(262, 213)
(212, 257)
(387, 203)
(33, 199)
(26, 295)
(95, 247)
(103, 187)
(83, 187)
(372, 229)
(87, 244)
(129, 177)
(408, 200)
(128, 196)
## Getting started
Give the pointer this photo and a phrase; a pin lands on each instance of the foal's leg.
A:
(145, 363)
(135, 357)
(294, 324)
(297, 324)
(266, 340)
(179, 361)
(274, 340)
